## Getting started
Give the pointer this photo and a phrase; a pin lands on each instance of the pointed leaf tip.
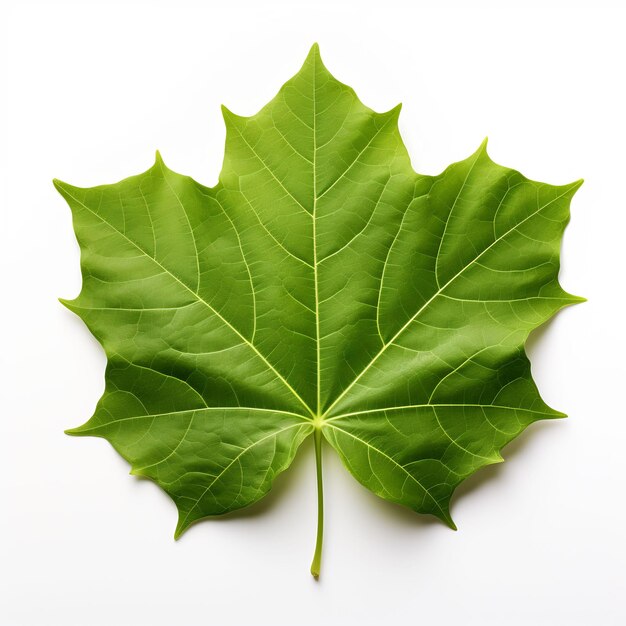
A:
(444, 515)
(227, 114)
(314, 58)
(67, 303)
(182, 524)
(59, 185)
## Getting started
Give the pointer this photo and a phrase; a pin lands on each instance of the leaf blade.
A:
(322, 284)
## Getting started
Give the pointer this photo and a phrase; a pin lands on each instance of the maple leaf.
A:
(321, 288)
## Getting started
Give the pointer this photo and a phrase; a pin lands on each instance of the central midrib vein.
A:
(315, 281)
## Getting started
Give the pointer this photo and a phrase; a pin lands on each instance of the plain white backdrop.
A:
(88, 91)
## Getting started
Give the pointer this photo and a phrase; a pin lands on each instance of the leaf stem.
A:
(317, 557)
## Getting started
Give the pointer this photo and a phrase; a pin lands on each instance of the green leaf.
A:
(321, 287)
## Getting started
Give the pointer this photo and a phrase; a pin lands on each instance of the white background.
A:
(89, 90)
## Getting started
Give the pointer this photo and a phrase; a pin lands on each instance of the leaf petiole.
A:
(317, 556)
